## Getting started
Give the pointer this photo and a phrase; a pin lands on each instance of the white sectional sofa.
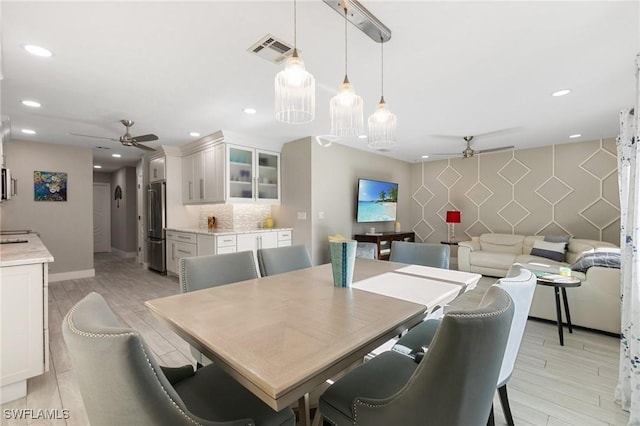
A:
(595, 304)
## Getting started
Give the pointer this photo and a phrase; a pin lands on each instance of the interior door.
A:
(101, 217)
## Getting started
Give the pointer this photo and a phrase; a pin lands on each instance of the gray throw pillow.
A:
(557, 238)
(553, 251)
(608, 258)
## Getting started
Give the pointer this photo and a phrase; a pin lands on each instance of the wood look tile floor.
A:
(551, 385)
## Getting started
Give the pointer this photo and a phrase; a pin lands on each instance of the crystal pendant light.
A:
(346, 106)
(295, 88)
(382, 123)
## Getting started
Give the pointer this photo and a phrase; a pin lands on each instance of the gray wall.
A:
(557, 189)
(66, 228)
(324, 180)
(123, 213)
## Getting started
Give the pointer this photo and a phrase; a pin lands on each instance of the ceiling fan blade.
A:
(95, 137)
(145, 138)
(445, 153)
(502, 148)
(139, 145)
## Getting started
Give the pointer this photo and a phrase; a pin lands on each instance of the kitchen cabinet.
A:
(202, 176)
(256, 240)
(216, 244)
(284, 238)
(179, 245)
(24, 330)
(156, 169)
(252, 175)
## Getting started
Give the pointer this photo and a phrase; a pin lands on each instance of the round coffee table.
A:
(561, 285)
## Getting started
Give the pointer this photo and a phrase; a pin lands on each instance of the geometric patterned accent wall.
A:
(558, 189)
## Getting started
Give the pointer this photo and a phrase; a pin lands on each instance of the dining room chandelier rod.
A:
(361, 18)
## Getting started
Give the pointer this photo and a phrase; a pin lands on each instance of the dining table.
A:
(282, 336)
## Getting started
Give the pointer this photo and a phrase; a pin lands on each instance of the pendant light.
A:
(382, 123)
(346, 106)
(295, 88)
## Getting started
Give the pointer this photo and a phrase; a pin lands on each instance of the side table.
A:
(560, 285)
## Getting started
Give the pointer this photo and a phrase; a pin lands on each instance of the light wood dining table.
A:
(283, 335)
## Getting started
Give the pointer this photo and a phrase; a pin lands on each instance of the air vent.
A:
(271, 49)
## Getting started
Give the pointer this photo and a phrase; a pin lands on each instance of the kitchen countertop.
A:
(31, 252)
(223, 231)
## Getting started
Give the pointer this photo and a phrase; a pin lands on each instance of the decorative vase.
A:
(343, 260)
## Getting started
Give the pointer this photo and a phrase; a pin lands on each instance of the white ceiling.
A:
(451, 68)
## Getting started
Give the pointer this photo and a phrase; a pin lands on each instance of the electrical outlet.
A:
(302, 215)
(320, 215)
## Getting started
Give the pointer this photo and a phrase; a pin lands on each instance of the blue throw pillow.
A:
(553, 251)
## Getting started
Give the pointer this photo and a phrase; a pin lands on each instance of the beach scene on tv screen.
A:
(377, 201)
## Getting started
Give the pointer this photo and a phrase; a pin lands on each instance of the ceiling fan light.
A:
(295, 93)
(382, 126)
(346, 111)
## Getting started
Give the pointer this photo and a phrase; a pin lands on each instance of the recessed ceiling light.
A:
(249, 110)
(425, 156)
(28, 132)
(362, 136)
(38, 51)
(32, 104)
(194, 134)
(116, 155)
(97, 166)
(562, 92)
(577, 135)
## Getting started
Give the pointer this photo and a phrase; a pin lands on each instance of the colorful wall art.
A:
(49, 186)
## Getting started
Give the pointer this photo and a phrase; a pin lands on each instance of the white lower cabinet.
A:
(23, 327)
(284, 238)
(179, 245)
(186, 244)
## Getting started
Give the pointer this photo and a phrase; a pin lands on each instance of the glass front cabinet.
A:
(252, 175)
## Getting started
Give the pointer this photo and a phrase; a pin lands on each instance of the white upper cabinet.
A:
(157, 169)
(252, 175)
(203, 177)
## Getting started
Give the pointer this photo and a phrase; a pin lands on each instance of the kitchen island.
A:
(24, 333)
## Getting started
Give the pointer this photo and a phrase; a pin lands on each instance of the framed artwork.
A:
(49, 186)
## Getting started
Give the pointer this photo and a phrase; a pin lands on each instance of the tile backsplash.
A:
(235, 216)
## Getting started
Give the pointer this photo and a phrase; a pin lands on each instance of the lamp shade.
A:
(453, 216)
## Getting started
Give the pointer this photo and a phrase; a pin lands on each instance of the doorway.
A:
(101, 217)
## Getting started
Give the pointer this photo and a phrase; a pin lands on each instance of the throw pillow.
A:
(557, 238)
(553, 251)
(607, 258)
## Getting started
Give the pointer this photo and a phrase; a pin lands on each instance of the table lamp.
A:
(453, 217)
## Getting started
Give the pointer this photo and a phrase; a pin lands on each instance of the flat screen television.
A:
(377, 201)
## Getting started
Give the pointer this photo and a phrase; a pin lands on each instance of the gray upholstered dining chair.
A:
(200, 272)
(122, 384)
(197, 273)
(453, 384)
(278, 260)
(520, 283)
(427, 254)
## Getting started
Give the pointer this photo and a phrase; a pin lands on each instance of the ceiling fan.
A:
(469, 152)
(127, 139)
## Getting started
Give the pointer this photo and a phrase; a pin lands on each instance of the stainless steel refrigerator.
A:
(156, 222)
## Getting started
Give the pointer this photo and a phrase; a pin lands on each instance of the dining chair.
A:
(426, 254)
(452, 384)
(520, 283)
(366, 250)
(278, 260)
(122, 384)
(200, 272)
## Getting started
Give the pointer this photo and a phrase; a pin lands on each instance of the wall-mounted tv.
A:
(377, 201)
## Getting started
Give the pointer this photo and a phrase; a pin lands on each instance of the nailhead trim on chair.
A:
(85, 334)
(406, 387)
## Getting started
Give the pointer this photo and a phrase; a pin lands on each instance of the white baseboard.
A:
(73, 275)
